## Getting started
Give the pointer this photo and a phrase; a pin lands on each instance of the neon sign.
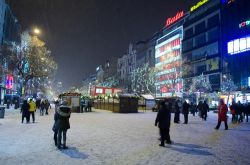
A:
(238, 45)
(199, 4)
(9, 82)
(174, 19)
(244, 24)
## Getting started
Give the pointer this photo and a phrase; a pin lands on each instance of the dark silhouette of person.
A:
(163, 120)
(25, 111)
(177, 112)
(204, 110)
(185, 111)
(222, 114)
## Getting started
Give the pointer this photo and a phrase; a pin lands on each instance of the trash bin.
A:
(2, 112)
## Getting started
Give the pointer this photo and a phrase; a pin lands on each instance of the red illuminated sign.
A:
(9, 82)
(172, 20)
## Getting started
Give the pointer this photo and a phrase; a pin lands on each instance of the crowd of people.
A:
(238, 111)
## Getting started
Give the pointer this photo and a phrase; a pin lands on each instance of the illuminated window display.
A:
(168, 64)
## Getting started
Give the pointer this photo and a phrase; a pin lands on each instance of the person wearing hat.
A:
(62, 124)
(163, 119)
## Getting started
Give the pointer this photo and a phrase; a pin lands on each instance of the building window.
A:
(200, 27)
(200, 68)
(187, 45)
(213, 34)
(214, 20)
(200, 39)
(189, 32)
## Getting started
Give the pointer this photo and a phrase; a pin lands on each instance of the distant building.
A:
(2, 16)
(236, 42)
(201, 47)
(145, 51)
(125, 65)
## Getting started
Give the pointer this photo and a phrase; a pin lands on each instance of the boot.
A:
(64, 146)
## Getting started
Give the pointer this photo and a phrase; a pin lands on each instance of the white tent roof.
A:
(148, 97)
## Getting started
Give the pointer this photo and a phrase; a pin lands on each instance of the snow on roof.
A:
(148, 97)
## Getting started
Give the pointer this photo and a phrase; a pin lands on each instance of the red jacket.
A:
(222, 112)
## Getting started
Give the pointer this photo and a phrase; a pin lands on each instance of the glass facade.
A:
(168, 63)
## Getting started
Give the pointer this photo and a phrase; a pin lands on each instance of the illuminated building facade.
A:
(201, 47)
(236, 41)
(168, 59)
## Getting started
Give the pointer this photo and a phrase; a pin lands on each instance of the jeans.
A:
(59, 137)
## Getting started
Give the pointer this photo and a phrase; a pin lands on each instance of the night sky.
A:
(82, 34)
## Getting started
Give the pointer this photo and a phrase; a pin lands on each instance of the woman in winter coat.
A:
(25, 111)
(62, 123)
(222, 114)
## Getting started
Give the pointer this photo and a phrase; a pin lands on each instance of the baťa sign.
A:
(172, 20)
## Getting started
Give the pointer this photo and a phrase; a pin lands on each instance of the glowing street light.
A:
(36, 31)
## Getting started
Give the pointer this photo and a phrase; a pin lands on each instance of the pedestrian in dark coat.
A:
(204, 110)
(185, 111)
(62, 123)
(239, 108)
(25, 111)
(222, 114)
(177, 112)
(233, 112)
(42, 107)
(163, 120)
(47, 105)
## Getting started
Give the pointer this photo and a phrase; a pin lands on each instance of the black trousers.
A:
(185, 118)
(176, 117)
(247, 117)
(219, 123)
(27, 118)
(55, 137)
(61, 133)
(33, 116)
(164, 132)
(204, 115)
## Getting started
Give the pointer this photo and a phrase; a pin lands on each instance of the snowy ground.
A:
(105, 138)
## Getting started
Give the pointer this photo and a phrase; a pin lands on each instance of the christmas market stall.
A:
(73, 100)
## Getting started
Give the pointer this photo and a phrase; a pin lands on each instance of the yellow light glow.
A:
(37, 31)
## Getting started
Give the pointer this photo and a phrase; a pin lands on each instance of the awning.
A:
(148, 97)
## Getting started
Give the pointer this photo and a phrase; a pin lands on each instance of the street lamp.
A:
(36, 31)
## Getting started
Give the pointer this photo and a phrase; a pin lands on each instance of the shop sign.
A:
(244, 24)
(199, 4)
(174, 19)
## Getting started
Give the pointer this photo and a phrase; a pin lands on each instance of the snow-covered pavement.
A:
(106, 138)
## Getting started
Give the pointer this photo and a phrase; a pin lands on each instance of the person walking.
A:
(42, 107)
(177, 112)
(204, 110)
(32, 109)
(25, 111)
(193, 108)
(222, 114)
(240, 111)
(163, 120)
(185, 111)
(47, 105)
(199, 107)
(233, 113)
(62, 123)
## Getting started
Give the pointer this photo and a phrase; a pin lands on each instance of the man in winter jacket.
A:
(62, 123)
(25, 111)
(222, 114)
(204, 110)
(163, 121)
(32, 109)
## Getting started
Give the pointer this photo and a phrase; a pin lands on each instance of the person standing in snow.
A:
(204, 110)
(62, 123)
(222, 114)
(32, 109)
(163, 120)
(185, 111)
(177, 112)
(25, 111)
